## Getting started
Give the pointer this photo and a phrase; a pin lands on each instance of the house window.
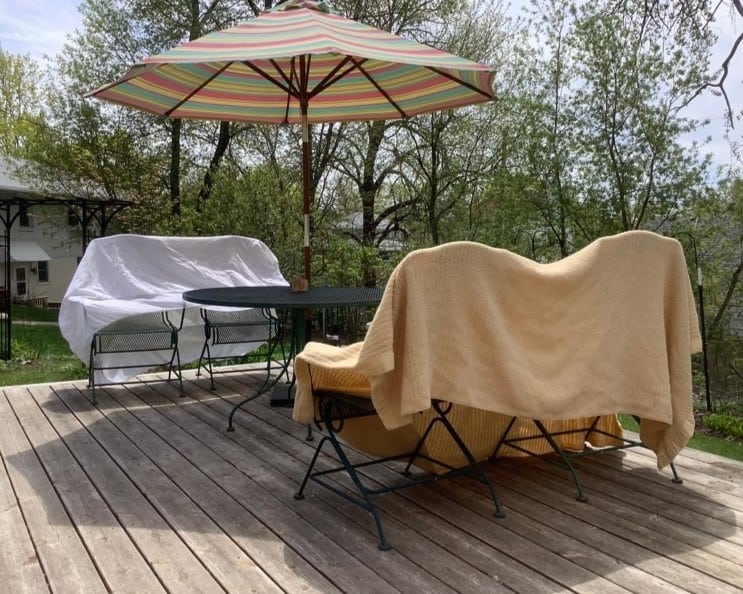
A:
(43, 267)
(20, 280)
(24, 218)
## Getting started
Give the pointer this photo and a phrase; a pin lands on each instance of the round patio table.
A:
(282, 299)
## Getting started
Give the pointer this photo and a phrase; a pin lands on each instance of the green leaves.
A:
(20, 103)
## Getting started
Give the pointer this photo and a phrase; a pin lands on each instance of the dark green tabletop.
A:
(283, 298)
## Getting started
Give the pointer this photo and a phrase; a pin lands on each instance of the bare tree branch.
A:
(720, 84)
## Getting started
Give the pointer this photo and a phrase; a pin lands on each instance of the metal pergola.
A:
(91, 213)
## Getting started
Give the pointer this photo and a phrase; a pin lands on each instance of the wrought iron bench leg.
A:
(91, 373)
(472, 463)
(300, 494)
(365, 501)
(335, 409)
(563, 457)
(205, 362)
(176, 370)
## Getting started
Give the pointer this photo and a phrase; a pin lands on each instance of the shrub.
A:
(725, 424)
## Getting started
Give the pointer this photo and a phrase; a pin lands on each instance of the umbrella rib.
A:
(197, 89)
(332, 77)
(288, 88)
(292, 77)
(270, 78)
(459, 81)
(335, 75)
(382, 92)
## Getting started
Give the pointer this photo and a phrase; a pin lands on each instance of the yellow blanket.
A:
(608, 329)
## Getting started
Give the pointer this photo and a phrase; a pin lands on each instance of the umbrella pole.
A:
(306, 191)
(306, 212)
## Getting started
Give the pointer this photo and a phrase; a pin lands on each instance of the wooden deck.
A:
(149, 493)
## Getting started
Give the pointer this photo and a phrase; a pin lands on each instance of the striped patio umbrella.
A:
(300, 63)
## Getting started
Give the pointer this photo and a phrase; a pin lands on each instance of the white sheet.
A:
(126, 275)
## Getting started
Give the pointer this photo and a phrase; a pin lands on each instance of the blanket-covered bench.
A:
(124, 313)
(473, 346)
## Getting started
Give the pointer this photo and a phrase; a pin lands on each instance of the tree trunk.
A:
(368, 193)
(219, 150)
(175, 169)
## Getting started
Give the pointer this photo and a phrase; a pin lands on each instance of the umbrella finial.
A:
(317, 5)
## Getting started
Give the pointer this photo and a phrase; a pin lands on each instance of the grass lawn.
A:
(722, 445)
(39, 354)
(34, 314)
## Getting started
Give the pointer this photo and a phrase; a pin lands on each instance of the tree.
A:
(365, 160)
(712, 230)
(626, 111)
(20, 103)
(114, 36)
(446, 157)
(600, 151)
(550, 149)
(581, 141)
(695, 18)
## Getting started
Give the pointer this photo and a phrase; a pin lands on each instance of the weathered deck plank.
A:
(120, 564)
(176, 566)
(147, 492)
(62, 555)
(276, 450)
(19, 564)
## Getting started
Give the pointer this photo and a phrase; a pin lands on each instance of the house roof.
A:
(15, 190)
(27, 251)
(9, 182)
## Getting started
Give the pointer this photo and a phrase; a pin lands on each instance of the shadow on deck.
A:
(147, 492)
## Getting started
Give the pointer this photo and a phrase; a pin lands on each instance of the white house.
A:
(42, 238)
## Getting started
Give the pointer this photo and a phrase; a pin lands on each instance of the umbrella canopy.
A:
(300, 63)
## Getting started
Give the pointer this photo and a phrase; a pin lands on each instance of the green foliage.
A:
(20, 103)
(253, 202)
(628, 422)
(17, 373)
(625, 114)
(714, 445)
(340, 261)
(585, 139)
(725, 425)
(727, 445)
(732, 408)
(35, 341)
(599, 151)
(711, 230)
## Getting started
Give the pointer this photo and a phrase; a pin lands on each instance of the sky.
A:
(40, 27)
(37, 27)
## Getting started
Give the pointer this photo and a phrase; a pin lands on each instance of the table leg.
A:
(271, 383)
(283, 394)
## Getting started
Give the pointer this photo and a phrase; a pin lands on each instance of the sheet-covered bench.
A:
(490, 342)
(123, 280)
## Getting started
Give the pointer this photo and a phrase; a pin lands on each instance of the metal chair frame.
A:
(238, 327)
(564, 456)
(137, 334)
(334, 409)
